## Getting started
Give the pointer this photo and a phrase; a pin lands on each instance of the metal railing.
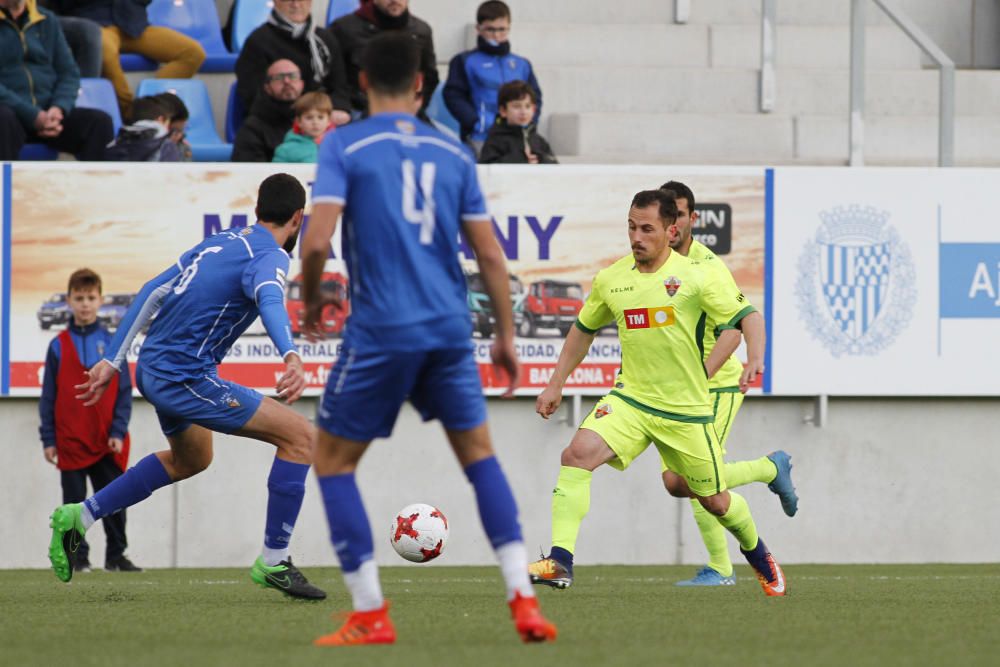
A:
(946, 87)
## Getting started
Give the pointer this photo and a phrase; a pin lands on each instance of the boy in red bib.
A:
(86, 441)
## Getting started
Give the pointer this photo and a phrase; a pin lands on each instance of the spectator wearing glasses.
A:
(475, 77)
(354, 31)
(271, 115)
(289, 34)
(125, 28)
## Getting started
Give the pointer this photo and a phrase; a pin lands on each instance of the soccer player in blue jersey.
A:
(202, 305)
(406, 191)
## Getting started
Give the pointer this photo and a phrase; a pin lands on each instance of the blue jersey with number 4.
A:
(405, 188)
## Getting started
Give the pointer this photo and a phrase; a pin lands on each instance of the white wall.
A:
(886, 481)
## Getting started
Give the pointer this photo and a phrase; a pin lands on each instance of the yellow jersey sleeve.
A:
(595, 313)
(722, 301)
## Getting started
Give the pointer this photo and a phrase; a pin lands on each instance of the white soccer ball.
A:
(419, 532)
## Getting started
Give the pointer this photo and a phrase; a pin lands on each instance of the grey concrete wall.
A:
(885, 481)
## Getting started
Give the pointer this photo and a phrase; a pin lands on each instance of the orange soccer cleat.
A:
(362, 627)
(774, 586)
(529, 622)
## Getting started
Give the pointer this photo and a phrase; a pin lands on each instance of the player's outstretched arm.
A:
(573, 352)
(756, 336)
(725, 346)
(493, 269)
(293, 382)
(315, 249)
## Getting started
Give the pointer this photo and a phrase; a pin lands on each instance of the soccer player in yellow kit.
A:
(661, 301)
(727, 397)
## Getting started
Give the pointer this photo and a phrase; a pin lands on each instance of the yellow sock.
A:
(714, 537)
(570, 503)
(739, 522)
(741, 473)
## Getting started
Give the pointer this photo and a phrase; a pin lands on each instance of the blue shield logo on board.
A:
(856, 286)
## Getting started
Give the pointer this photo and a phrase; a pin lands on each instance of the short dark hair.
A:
(278, 198)
(680, 191)
(660, 198)
(83, 279)
(148, 108)
(391, 61)
(492, 10)
(175, 105)
(513, 91)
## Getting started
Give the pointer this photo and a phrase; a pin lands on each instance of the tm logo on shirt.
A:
(646, 318)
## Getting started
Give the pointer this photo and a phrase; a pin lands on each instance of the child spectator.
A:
(177, 114)
(86, 442)
(313, 112)
(513, 139)
(147, 139)
(475, 76)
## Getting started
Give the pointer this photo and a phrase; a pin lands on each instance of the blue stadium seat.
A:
(198, 20)
(248, 15)
(235, 114)
(339, 8)
(206, 146)
(93, 94)
(438, 112)
(100, 94)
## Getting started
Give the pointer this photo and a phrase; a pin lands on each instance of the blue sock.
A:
(345, 512)
(137, 484)
(757, 557)
(497, 507)
(286, 486)
(562, 557)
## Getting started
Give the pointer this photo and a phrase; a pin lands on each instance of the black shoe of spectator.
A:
(122, 564)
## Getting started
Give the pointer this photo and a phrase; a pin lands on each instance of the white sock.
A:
(365, 588)
(513, 559)
(86, 518)
(272, 557)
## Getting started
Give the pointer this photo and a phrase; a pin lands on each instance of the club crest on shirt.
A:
(602, 410)
(406, 127)
(246, 231)
(230, 401)
(672, 284)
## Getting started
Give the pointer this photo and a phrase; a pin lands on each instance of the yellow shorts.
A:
(725, 406)
(691, 450)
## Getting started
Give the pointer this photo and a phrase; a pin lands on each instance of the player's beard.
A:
(290, 242)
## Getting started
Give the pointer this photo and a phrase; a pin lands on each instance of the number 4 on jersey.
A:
(419, 216)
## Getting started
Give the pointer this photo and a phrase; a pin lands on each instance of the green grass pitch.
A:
(833, 615)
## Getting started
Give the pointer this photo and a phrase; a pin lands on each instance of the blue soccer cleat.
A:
(782, 484)
(708, 577)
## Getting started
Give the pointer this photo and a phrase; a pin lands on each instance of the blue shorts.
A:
(366, 389)
(207, 401)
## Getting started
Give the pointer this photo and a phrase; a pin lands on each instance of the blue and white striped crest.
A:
(855, 280)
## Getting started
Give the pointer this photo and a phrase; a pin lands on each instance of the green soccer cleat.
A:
(67, 535)
(286, 578)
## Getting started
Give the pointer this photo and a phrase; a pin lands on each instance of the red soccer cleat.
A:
(362, 627)
(529, 622)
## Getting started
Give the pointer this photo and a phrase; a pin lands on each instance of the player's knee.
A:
(190, 464)
(716, 505)
(299, 441)
(573, 457)
(675, 485)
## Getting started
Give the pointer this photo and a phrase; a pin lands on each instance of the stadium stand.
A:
(438, 112)
(206, 146)
(93, 94)
(235, 113)
(338, 8)
(247, 15)
(196, 19)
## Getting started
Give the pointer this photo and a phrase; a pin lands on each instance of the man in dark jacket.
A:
(475, 76)
(125, 28)
(38, 87)
(514, 139)
(271, 115)
(290, 34)
(354, 31)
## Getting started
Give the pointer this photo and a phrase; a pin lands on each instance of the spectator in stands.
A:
(84, 441)
(84, 39)
(38, 87)
(312, 122)
(126, 29)
(474, 77)
(513, 139)
(271, 115)
(178, 116)
(374, 16)
(290, 34)
(147, 139)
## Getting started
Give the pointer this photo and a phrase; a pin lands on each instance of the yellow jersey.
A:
(728, 375)
(662, 319)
